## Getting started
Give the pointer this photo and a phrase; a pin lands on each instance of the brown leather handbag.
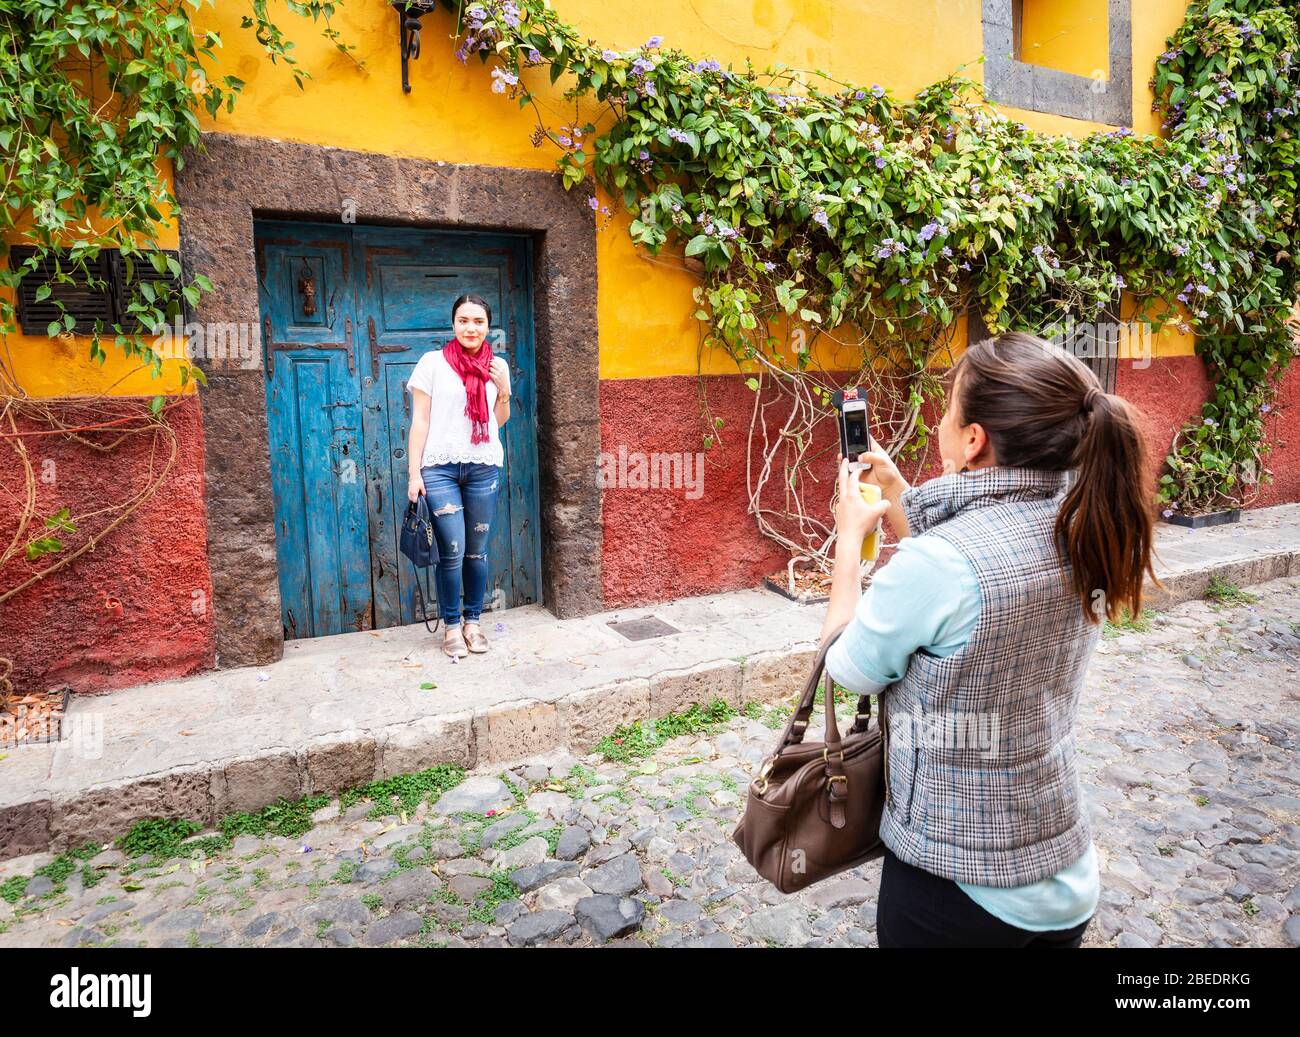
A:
(814, 808)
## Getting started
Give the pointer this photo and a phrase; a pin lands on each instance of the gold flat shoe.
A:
(453, 643)
(476, 641)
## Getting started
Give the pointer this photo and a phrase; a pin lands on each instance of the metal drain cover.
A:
(643, 629)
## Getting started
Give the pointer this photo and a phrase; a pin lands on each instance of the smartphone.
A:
(851, 409)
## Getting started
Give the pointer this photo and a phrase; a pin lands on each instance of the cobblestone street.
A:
(1188, 728)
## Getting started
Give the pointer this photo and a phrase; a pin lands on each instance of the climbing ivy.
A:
(96, 96)
(829, 204)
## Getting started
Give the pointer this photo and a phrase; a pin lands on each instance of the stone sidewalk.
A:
(338, 712)
(1187, 732)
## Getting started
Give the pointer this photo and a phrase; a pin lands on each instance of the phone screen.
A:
(855, 422)
(856, 438)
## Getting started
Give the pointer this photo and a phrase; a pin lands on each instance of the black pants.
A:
(917, 909)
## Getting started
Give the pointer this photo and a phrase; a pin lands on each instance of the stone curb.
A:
(1190, 584)
(498, 735)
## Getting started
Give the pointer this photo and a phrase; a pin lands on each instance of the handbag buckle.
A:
(761, 782)
(831, 779)
(826, 757)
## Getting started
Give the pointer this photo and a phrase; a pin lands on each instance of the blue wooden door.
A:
(380, 298)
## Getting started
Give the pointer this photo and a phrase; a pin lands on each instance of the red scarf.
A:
(473, 370)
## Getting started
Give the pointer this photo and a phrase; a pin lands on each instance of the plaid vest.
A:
(981, 769)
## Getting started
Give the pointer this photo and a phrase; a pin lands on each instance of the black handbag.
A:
(418, 543)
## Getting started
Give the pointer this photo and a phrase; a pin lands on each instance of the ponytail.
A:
(1042, 407)
(1105, 522)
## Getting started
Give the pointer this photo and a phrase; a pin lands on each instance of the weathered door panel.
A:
(314, 414)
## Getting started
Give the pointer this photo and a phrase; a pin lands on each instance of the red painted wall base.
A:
(137, 608)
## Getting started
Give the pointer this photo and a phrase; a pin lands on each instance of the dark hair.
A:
(476, 299)
(1042, 407)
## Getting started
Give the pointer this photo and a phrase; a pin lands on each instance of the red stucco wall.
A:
(660, 545)
(138, 607)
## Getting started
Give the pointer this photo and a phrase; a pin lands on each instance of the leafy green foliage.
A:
(825, 203)
(94, 96)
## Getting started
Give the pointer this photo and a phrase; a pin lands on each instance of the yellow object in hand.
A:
(871, 544)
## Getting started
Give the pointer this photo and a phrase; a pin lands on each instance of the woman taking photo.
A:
(976, 636)
(460, 399)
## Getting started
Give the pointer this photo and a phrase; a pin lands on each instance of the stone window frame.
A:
(1035, 88)
(236, 179)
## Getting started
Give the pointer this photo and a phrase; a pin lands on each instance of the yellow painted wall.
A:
(1071, 37)
(645, 304)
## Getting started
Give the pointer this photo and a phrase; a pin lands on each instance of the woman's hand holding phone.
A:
(854, 517)
(883, 472)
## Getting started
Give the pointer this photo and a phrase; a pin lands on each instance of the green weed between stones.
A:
(642, 737)
(1222, 593)
(1128, 624)
(407, 789)
(486, 903)
(57, 871)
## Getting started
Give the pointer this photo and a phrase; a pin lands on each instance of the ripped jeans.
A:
(462, 499)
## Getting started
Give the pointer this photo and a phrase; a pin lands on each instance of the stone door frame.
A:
(237, 179)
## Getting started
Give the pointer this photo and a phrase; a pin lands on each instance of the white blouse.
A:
(449, 428)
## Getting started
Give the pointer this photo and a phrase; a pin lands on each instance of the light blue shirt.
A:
(928, 597)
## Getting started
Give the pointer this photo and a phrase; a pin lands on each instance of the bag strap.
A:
(798, 722)
(420, 600)
(833, 751)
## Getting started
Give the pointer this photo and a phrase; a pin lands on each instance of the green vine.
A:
(829, 205)
(95, 97)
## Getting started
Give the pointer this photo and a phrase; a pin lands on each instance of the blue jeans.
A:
(462, 500)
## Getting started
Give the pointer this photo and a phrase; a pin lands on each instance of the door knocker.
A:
(307, 289)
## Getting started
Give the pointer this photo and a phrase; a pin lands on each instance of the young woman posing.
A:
(977, 635)
(460, 399)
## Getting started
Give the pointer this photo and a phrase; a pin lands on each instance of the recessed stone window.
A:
(1039, 58)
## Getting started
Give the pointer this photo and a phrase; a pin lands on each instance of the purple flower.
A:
(534, 56)
(880, 162)
(593, 202)
(858, 95)
(641, 66)
(1120, 283)
(653, 42)
(678, 135)
(878, 90)
(1178, 250)
(565, 141)
(945, 251)
(1167, 512)
(1266, 408)
(930, 230)
(822, 220)
(769, 267)
(889, 247)
(609, 55)
(501, 78)
(643, 155)
(1037, 250)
